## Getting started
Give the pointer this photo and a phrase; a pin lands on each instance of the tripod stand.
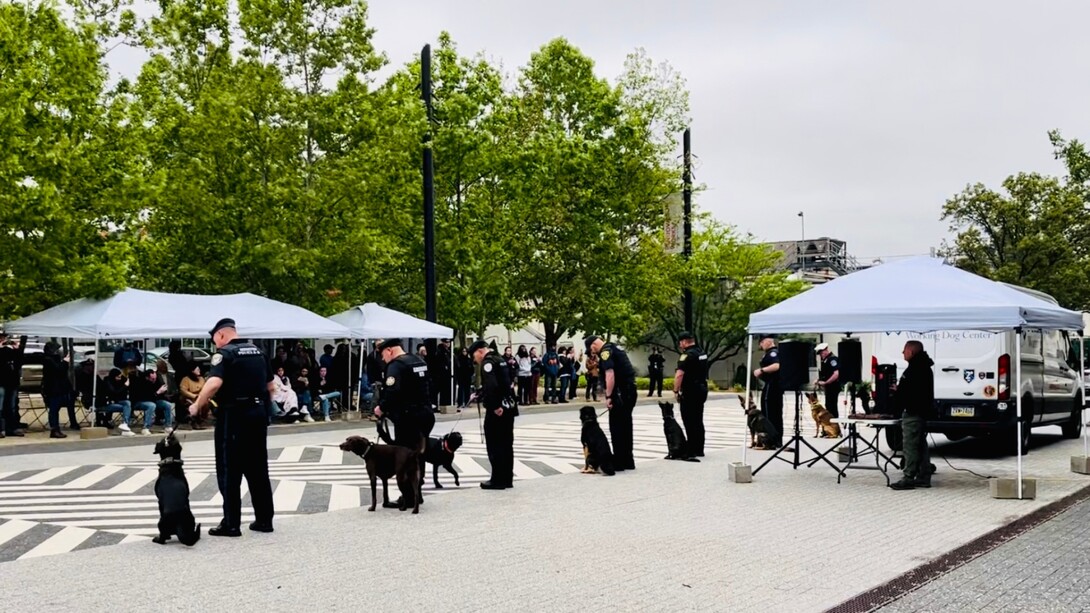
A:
(793, 445)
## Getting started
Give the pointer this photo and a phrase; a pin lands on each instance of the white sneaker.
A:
(307, 418)
(327, 419)
(125, 431)
(145, 432)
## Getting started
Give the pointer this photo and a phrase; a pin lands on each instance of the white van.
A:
(974, 381)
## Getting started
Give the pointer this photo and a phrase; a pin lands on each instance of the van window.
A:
(1031, 342)
(1052, 346)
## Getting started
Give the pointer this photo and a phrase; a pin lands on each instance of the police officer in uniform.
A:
(829, 377)
(499, 416)
(241, 382)
(772, 393)
(691, 390)
(620, 383)
(406, 398)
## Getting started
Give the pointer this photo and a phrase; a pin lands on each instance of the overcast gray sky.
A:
(867, 116)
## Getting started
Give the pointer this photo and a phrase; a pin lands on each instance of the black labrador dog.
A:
(440, 452)
(172, 490)
(596, 451)
(384, 462)
(676, 444)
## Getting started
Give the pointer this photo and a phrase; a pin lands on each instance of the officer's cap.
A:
(390, 342)
(686, 336)
(589, 341)
(475, 347)
(226, 322)
(821, 347)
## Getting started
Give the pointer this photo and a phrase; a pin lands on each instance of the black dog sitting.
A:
(596, 450)
(172, 490)
(440, 452)
(675, 437)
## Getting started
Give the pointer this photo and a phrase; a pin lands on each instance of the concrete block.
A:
(1080, 464)
(843, 454)
(351, 416)
(446, 410)
(738, 472)
(1007, 488)
(89, 432)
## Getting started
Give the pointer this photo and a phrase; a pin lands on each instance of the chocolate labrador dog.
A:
(384, 462)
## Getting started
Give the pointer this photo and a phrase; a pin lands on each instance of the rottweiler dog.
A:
(761, 431)
(384, 462)
(172, 490)
(440, 452)
(822, 418)
(596, 451)
(676, 444)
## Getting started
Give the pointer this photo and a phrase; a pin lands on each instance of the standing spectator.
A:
(655, 364)
(564, 373)
(440, 370)
(422, 351)
(576, 366)
(512, 364)
(340, 372)
(9, 388)
(176, 358)
(127, 357)
(327, 357)
(375, 367)
(281, 359)
(463, 375)
(535, 374)
(149, 393)
(189, 388)
(592, 376)
(56, 388)
(525, 374)
(551, 367)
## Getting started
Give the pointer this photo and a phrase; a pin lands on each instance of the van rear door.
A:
(966, 365)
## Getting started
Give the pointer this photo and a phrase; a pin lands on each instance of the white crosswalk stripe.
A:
(48, 512)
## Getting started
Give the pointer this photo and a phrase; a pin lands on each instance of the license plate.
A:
(962, 411)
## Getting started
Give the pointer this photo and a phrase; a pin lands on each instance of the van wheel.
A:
(1072, 428)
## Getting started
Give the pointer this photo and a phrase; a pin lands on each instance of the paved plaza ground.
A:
(672, 536)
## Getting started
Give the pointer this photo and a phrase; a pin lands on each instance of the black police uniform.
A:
(772, 395)
(499, 430)
(655, 365)
(830, 365)
(694, 393)
(612, 357)
(407, 401)
(242, 423)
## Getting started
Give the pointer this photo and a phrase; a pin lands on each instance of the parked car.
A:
(32, 367)
(192, 354)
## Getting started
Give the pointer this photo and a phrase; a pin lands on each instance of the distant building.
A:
(817, 260)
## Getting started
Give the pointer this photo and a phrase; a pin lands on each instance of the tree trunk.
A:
(552, 333)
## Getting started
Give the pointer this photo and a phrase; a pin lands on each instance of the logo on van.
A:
(969, 375)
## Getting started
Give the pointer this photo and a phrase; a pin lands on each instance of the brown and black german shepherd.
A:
(823, 419)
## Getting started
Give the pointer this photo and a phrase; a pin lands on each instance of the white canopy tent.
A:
(373, 321)
(920, 295)
(369, 321)
(134, 313)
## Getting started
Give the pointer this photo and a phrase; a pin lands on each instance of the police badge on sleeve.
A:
(216, 359)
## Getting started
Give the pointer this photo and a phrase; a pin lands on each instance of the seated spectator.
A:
(287, 400)
(115, 395)
(325, 390)
(149, 393)
(301, 386)
(188, 389)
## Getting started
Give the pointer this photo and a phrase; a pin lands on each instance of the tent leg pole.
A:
(1082, 395)
(1018, 403)
(745, 401)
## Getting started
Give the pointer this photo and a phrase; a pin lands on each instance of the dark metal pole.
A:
(687, 194)
(429, 190)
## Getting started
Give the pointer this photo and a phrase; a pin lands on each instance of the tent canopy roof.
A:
(134, 313)
(373, 321)
(922, 294)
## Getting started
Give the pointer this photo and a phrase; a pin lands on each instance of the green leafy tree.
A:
(1033, 234)
(67, 174)
(731, 277)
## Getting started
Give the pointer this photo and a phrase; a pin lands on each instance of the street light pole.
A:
(687, 196)
(802, 258)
